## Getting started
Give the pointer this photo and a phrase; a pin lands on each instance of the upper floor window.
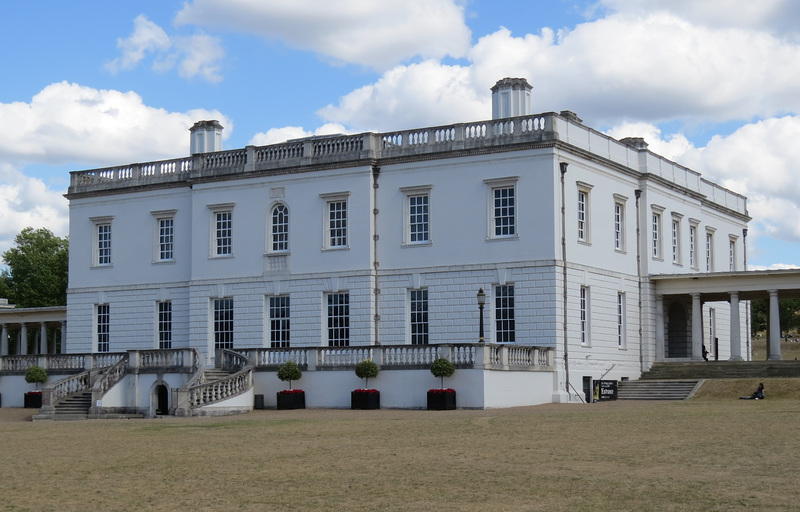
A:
(584, 212)
(279, 228)
(709, 249)
(504, 314)
(693, 259)
(102, 241)
(416, 212)
(656, 246)
(221, 229)
(584, 312)
(732, 253)
(335, 221)
(619, 223)
(165, 235)
(502, 207)
(621, 320)
(676, 239)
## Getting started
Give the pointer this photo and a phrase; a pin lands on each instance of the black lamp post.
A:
(481, 302)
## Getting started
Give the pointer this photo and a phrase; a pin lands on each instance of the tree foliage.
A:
(442, 367)
(37, 269)
(366, 369)
(289, 371)
(788, 312)
(36, 375)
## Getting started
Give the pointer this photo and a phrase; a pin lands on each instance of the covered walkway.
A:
(679, 330)
(25, 331)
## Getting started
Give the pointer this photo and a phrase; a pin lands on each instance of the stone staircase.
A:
(214, 374)
(723, 370)
(74, 407)
(655, 390)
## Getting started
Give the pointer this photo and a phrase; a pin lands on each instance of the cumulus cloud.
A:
(196, 55)
(277, 135)
(68, 122)
(26, 201)
(375, 34)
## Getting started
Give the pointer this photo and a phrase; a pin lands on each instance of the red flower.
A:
(366, 391)
(291, 391)
(437, 391)
(34, 392)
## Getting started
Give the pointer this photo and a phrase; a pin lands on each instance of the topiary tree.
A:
(366, 369)
(36, 375)
(442, 368)
(289, 371)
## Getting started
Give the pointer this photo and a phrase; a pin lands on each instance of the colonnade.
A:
(43, 345)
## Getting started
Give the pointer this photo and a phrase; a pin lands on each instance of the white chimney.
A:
(206, 136)
(511, 97)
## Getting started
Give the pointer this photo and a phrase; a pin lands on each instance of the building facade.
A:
(385, 239)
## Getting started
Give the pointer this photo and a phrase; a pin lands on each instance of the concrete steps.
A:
(723, 370)
(655, 390)
(74, 407)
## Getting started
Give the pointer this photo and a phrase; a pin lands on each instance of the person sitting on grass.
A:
(757, 395)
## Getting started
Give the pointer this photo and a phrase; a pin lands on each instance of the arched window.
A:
(280, 228)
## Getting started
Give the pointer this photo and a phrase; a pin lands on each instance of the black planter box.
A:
(365, 400)
(441, 401)
(33, 400)
(292, 400)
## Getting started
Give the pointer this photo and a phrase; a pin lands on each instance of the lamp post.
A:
(481, 302)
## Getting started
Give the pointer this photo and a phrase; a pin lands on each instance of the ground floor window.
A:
(103, 327)
(339, 320)
(165, 324)
(419, 317)
(504, 313)
(223, 323)
(279, 322)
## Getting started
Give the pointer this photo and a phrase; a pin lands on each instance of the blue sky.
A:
(712, 85)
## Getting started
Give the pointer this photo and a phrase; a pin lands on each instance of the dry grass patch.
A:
(703, 454)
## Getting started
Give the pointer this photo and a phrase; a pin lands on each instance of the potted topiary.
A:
(35, 375)
(366, 398)
(291, 398)
(443, 398)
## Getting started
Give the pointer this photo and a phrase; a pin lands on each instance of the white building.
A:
(383, 240)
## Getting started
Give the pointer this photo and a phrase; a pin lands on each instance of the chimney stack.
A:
(511, 97)
(206, 137)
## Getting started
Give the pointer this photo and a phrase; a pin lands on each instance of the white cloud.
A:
(278, 135)
(26, 201)
(376, 34)
(72, 123)
(196, 55)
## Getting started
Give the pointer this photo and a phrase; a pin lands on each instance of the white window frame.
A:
(694, 261)
(619, 222)
(496, 209)
(622, 321)
(412, 217)
(278, 237)
(217, 247)
(222, 319)
(102, 321)
(101, 241)
(164, 324)
(584, 212)
(338, 319)
(657, 232)
(336, 231)
(677, 246)
(418, 316)
(279, 307)
(163, 242)
(732, 259)
(585, 316)
(504, 314)
(710, 249)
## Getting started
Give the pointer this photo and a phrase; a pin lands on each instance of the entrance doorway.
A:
(679, 340)
(162, 400)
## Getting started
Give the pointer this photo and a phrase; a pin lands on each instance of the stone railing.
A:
(106, 381)
(65, 387)
(463, 355)
(148, 361)
(56, 363)
(198, 393)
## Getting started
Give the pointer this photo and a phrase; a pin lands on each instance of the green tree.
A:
(37, 269)
(788, 312)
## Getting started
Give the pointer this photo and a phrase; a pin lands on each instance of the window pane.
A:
(418, 218)
(280, 228)
(419, 317)
(337, 223)
(165, 239)
(103, 327)
(339, 320)
(104, 244)
(165, 325)
(223, 323)
(279, 321)
(224, 233)
(504, 212)
(504, 314)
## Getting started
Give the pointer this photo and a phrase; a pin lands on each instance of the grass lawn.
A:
(713, 452)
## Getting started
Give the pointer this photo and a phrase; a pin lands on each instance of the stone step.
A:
(655, 390)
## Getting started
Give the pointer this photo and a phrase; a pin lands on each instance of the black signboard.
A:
(605, 390)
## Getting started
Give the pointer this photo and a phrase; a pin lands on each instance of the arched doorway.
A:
(679, 339)
(162, 400)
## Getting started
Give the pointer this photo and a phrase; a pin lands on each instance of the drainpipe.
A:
(376, 171)
(564, 166)
(638, 194)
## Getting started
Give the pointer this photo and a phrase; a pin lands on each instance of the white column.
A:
(22, 342)
(697, 327)
(43, 338)
(4, 341)
(736, 340)
(774, 327)
(659, 314)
